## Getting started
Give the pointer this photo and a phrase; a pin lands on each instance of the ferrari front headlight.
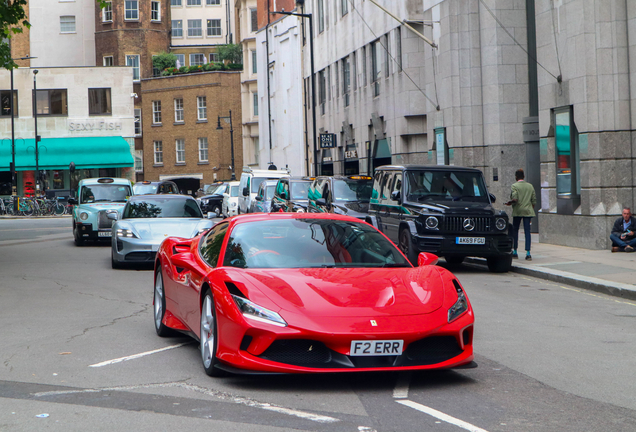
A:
(460, 306)
(255, 312)
(126, 233)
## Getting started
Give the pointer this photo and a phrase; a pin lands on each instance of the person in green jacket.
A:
(522, 199)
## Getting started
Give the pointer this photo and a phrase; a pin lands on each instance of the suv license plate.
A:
(105, 234)
(376, 347)
(471, 240)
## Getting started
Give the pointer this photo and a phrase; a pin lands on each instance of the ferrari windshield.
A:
(449, 185)
(161, 207)
(104, 193)
(310, 243)
(352, 190)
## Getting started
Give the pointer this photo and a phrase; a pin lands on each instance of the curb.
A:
(616, 289)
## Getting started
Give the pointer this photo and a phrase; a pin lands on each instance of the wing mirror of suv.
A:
(321, 202)
(72, 201)
(246, 192)
(395, 195)
(426, 258)
(258, 198)
(493, 198)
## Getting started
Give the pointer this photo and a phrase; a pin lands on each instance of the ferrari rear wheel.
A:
(160, 306)
(208, 336)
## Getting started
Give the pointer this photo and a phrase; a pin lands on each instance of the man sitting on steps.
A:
(624, 232)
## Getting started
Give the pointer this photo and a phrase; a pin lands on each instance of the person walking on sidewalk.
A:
(522, 199)
(624, 232)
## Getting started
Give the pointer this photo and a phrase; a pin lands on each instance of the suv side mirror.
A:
(493, 198)
(321, 202)
(246, 192)
(395, 195)
(258, 198)
(72, 201)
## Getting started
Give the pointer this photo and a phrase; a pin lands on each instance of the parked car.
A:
(445, 210)
(346, 195)
(230, 199)
(263, 201)
(96, 197)
(291, 194)
(209, 189)
(250, 181)
(301, 293)
(155, 187)
(147, 220)
(214, 202)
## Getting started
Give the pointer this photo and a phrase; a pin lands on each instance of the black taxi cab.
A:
(290, 194)
(346, 195)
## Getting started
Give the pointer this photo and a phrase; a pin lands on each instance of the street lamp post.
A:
(313, 79)
(37, 138)
(219, 127)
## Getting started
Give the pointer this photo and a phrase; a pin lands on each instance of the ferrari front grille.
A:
(433, 349)
(299, 352)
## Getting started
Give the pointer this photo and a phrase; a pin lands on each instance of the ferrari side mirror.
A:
(426, 258)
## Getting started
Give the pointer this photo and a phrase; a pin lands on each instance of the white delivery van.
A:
(251, 180)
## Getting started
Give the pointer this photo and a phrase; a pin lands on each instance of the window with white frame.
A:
(254, 63)
(131, 10)
(177, 28)
(178, 110)
(194, 3)
(197, 59)
(202, 109)
(213, 2)
(107, 12)
(214, 57)
(180, 148)
(214, 27)
(108, 60)
(156, 112)
(253, 20)
(203, 149)
(67, 24)
(175, 2)
(194, 28)
(139, 161)
(137, 122)
(180, 60)
(158, 152)
(132, 60)
(155, 10)
(255, 103)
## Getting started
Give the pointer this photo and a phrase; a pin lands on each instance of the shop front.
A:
(326, 166)
(351, 161)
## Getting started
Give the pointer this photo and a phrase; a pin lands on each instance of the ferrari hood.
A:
(161, 228)
(352, 292)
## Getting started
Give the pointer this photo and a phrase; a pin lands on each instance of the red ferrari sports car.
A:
(305, 292)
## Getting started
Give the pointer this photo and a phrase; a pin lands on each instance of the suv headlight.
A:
(258, 313)
(460, 306)
(432, 222)
(126, 233)
(501, 224)
(83, 215)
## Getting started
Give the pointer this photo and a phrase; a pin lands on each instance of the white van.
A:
(251, 180)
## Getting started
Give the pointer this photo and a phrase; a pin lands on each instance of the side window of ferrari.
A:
(211, 245)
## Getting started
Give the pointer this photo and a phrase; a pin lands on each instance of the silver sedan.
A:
(147, 220)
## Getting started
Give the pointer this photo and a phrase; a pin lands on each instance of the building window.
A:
(354, 71)
(52, 102)
(375, 67)
(180, 60)
(175, 2)
(108, 60)
(255, 98)
(194, 3)
(158, 152)
(132, 10)
(155, 11)
(133, 61)
(322, 91)
(387, 56)
(254, 20)
(177, 28)
(107, 12)
(254, 63)
(139, 161)
(346, 79)
(137, 122)
(214, 57)
(156, 112)
(337, 79)
(214, 27)
(194, 28)
(180, 148)
(321, 16)
(67, 24)
(197, 59)
(99, 101)
(202, 110)
(398, 47)
(213, 2)
(344, 7)
(364, 66)
(203, 149)
(5, 102)
(178, 110)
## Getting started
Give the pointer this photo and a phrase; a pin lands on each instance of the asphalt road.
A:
(551, 358)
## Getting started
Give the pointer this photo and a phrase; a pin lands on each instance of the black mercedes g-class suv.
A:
(445, 210)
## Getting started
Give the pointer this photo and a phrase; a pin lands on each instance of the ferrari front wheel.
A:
(160, 306)
(208, 336)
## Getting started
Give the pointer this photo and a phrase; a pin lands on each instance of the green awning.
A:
(382, 149)
(58, 153)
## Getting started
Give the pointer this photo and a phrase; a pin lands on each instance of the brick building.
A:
(181, 140)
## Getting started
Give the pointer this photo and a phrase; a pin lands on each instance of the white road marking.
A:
(401, 390)
(225, 396)
(136, 356)
(440, 415)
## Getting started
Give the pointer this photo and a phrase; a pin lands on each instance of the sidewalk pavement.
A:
(597, 270)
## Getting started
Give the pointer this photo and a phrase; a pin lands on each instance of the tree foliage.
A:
(164, 60)
(12, 19)
(233, 53)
